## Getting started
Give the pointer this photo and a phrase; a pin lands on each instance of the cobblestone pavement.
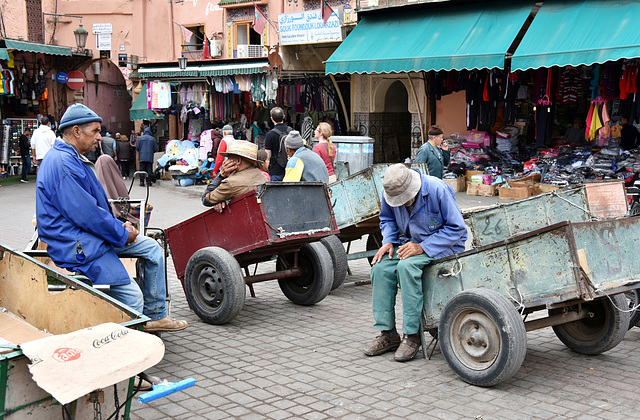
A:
(277, 360)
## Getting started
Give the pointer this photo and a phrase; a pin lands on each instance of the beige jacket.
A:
(236, 185)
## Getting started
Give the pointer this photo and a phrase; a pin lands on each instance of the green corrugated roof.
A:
(451, 37)
(12, 44)
(571, 33)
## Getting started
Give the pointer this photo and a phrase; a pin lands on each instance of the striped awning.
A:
(222, 69)
(35, 47)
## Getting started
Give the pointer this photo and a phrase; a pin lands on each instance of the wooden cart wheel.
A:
(482, 337)
(317, 278)
(214, 285)
(338, 258)
(604, 329)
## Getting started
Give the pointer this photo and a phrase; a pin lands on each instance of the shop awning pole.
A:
(415, 95)
(347, 117)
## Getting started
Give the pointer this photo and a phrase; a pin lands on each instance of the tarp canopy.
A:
(571, 33)
(222, 69)
(139, 110)
(450, 37)
(35, 47)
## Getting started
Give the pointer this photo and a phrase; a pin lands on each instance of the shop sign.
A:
(102, 28)
(308, 28)
(122, 60)
(103, 42)
(62, 77)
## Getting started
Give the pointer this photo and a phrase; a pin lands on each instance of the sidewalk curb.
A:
(193, 191)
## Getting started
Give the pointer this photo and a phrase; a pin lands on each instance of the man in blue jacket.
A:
(76, 222)
(420, 222)
(147, 146)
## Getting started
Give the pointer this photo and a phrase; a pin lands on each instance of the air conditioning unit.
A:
(251, 51)
(216, 48)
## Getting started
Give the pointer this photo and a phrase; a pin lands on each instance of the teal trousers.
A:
(386, 276)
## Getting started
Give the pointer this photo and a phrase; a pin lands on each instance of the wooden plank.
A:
(24, 291)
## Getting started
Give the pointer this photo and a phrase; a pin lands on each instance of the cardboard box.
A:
(469, 174)
(546, 187)
(457, 184)
(482, 189)
(517, 193)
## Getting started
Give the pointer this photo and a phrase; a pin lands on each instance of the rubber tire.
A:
(635, 209)
(599, 333)
(374, 242)
(214, 285)
(317, 278)
(338, 258)
(633, 297)
(496, 323)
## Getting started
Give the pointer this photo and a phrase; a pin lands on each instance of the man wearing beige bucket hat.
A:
(420, 222)
(238, 174)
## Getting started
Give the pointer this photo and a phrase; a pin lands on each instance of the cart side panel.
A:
(505, 220)
(239, 228)
(296, 207)
(355, 198)
(611, 249)
(531, 269)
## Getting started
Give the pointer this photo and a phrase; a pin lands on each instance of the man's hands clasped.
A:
(404, 251)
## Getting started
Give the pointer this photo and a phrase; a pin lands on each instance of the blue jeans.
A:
(276, 177)
(151, 299)
(26, 167)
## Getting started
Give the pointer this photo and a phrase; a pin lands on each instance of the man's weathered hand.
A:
(409, 249)
(219, 207)
(228, 167)
(133, 233)
(384, 249)
(444, 145)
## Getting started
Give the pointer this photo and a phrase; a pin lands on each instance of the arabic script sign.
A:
(308, 28)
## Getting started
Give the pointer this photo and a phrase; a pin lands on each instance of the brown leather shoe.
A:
(408, 349)
(165, 324)
(382, 344)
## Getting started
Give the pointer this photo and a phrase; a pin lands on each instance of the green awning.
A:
(4, 54)
(222, 69)
(580, 32)
(139, 110)
(449, 37)
(35, 47)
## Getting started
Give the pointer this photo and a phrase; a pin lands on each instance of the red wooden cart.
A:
(212, 251)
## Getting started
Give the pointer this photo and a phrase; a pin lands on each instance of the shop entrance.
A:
(393, 121)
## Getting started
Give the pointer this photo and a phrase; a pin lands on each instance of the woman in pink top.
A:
(325, 149)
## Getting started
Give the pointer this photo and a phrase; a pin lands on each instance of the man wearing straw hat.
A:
(420, 222)
(238, 174)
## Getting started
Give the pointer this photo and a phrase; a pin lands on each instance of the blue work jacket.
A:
(75, 219)
(435, 221)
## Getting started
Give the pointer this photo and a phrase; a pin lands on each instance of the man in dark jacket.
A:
(272, 143)
(25, 146)
(147, 146)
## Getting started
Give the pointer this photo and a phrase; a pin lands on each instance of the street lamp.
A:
(81, 37)
(182, 63)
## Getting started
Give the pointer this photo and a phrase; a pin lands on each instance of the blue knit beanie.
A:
(78, 114)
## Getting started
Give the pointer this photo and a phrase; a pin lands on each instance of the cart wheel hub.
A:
(476, 339)
(210, 286)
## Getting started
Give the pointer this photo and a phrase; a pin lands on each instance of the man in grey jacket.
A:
(108, 143)
(303, 164)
